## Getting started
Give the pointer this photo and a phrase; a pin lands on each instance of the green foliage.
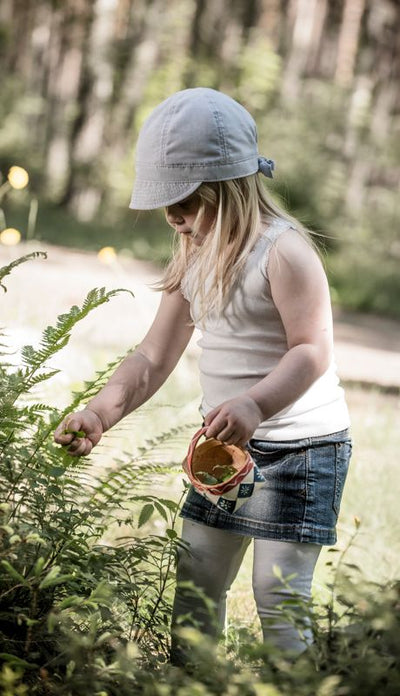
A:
(82, 616)
(69, 601)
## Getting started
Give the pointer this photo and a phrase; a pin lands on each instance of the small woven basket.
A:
(211, 455)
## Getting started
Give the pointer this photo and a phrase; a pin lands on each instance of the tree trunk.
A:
(86, 183)
(305, 18)
(68, 31)
(385, 25)
(348, 41)
(144, 49)
(317, 35)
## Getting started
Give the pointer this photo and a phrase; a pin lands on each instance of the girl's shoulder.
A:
(289, 241)
(270, 232)
(273, 228)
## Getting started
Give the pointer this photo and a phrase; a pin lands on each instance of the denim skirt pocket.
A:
(285, 489)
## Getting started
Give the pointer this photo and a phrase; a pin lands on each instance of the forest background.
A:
(321, 78)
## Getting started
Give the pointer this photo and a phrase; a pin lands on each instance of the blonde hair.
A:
(241, 205)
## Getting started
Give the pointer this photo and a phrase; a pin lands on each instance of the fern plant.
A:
(68, 600)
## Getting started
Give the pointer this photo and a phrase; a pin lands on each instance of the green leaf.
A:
(13, 572)
(14, 539)
(145, 514)
(56, 580)
(161, 510)
(57, 471)
(170, 504)
(52, 621)
(38, 567)
(17, 661)
(76, 433)
(51, 575)
(277, 571)
(71, 601)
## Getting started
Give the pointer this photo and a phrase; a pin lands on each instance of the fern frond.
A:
(54, 338)
(6, 270)
(36, 379)
(38, 408)
(116, 486)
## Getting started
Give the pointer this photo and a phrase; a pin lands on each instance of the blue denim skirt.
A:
(300, 499)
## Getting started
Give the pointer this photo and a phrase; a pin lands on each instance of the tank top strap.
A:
(268, 240)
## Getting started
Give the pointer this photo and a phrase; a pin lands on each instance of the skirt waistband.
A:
(273, 446)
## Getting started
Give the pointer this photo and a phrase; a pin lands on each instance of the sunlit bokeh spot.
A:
(107, 255)
(18, 177)
(10, 236)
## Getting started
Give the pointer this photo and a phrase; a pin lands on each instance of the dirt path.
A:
(367, 347)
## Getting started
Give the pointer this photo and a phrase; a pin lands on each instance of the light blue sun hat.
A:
(194, 136)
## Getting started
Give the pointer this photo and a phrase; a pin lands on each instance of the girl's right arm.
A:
(138, 377)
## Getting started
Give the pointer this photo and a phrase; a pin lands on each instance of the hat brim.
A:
(149, 195)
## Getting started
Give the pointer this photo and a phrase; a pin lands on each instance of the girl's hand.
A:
(234, 421)
(79, 432)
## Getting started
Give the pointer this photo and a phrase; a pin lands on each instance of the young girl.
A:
(246, 274)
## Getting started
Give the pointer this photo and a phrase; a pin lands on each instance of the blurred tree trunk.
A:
(317, 36)
(373, 104)
(139, 50)
(68, 33)
(122, 51)
(218, 32)
(306, 18)
(20, 27)
(6, 23)
(348, 41)
(384, 25)
(83, 193)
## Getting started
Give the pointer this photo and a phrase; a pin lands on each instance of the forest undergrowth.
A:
(81, 615)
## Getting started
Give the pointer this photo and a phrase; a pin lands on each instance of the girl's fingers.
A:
(80, 447)
(63, 439)
(61, 433)
(61, 436)
(73, 424)
(225, 435)
(211, 416)
(218, 429)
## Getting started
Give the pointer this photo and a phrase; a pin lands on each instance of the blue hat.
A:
(196, 135)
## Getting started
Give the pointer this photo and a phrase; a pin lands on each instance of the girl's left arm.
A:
(300, 292)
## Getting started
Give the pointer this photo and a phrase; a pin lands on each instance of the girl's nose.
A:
(173, 214)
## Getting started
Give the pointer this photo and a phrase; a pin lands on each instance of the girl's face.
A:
(181, 216)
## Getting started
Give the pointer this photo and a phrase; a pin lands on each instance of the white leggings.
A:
(212, 564)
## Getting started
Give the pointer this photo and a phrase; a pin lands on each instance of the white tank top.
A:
(243, 344)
